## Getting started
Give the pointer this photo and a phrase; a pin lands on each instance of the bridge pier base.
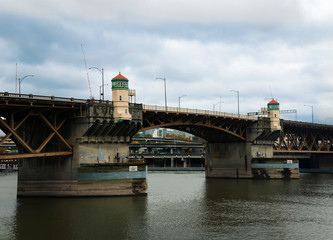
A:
(246, 160)
(105, 170)
(93, 170)
(47, 177)
(227, 160)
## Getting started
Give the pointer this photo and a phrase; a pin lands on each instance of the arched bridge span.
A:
(212, 126)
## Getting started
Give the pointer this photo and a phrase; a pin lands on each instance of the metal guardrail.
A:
(41, 97)
(197, 111)
(50, 98)
(145, 107)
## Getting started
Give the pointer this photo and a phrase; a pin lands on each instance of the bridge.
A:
(80, 147)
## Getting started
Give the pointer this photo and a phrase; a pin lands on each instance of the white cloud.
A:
(317, 11)
(160, 11)
(204, 49)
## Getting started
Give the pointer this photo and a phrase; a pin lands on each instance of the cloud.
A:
(158, 11)
(261, 48)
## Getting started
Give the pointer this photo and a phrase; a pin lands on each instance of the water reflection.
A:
(84, 218)
(179, 206)
(270, 209)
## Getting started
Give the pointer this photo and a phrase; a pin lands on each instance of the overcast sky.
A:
(261, 48)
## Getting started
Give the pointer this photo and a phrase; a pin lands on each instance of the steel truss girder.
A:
(306, 140)
(11, 128)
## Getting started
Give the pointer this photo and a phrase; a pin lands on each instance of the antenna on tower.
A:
(85, 64)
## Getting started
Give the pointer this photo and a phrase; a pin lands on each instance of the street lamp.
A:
(311, 106)
(215, 105)
(21, 79)
(237, 98)
(220, 103)
(165, 96)
(101, 93)
(100, 89)
(179, 100)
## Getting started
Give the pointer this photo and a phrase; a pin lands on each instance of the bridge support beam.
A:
(47, 177)
(93, 170)
(105, 170)
(250, 159)
(227, 160)
(95, 164)
(244, 160)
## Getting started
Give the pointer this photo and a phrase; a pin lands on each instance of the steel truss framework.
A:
(210, 128)
(36, 126)
(304, 138)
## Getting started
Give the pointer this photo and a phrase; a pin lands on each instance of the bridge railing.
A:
(40, 97)
(197, 111)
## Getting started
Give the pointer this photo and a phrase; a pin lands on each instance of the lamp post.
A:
(220, 103)
(100, 89)
(311, 106)
(165, 96)
(179, 100)
(237, 98)
(215, 105)
(101, 93)
(21, 79)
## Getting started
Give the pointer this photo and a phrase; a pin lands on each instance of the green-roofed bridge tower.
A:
(273, 111)
(120, 98)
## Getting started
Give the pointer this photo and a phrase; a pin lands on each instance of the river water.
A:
(179, 206)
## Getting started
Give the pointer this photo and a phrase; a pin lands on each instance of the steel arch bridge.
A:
(212, 126)
(296, 137)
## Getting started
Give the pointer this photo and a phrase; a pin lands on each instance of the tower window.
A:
(119, 98)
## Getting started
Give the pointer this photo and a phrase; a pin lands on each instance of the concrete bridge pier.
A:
(51, 176)
(228, 160)
(252, 158)
(97, 162)
(101, 149)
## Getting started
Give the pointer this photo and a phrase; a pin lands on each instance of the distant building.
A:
(163, 132)
(160, 133)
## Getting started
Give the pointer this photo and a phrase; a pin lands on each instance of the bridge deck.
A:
(197, 112)
(52, 99)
